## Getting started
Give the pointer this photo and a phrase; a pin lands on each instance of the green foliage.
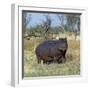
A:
(73, 21)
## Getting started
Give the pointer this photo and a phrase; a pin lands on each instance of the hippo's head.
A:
(63, 39)
(62, 45)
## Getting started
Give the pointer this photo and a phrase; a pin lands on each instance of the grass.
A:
(33, 69)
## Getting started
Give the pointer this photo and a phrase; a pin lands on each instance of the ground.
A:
(70, 67)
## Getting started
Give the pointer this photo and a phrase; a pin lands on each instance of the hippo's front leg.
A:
(38, 59)
(63, 59)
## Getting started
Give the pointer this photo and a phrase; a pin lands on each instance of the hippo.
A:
(52, 51)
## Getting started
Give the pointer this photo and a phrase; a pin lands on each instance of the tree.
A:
(62, 27)
(73, 23)
(46, 25)
(61, 19)
(26, 17)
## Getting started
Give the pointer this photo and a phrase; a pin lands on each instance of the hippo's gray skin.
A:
(52, 51)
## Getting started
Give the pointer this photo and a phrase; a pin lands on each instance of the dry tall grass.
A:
(32, 69)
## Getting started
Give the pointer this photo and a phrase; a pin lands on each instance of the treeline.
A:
(68, 23)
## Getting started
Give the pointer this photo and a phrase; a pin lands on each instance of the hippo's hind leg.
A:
(48, 60)
(44, 62)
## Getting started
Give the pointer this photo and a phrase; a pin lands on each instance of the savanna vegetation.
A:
(33, 36)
